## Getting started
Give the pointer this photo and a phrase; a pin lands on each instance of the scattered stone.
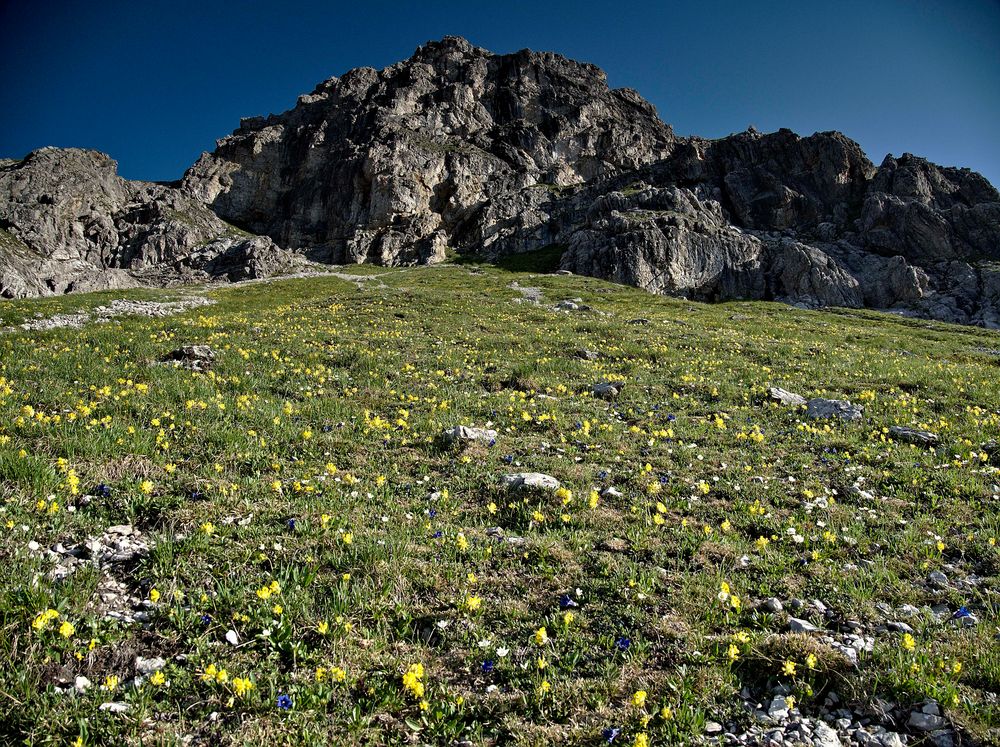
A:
(611, 492)
(833, 408)
(608, 389)
(713, 727)
(233, 637)
(468, 434)
(114, 707)
(148, 666)
(778, 708)
(913, 436)
(614, 544)
(81, 684)
(638, 321)
(529, 481)
(568, 306)
(587, 355)
(797, 625)
(938, 579)
(772, 605)
(197, 358)
(925, 721)
(785, 397)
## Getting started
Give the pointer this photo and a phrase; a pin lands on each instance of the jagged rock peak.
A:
(389, 166)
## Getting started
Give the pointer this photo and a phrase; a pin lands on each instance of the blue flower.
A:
(961, 612)
(291, 524)
(508, 459)
(284, 702)
(488, 666)
(196, 495)
(206, 619)
(437, 534)
(102, 491)
(493, 442)
(603, 474)
(623, 643)
(566, 601)
(611, 734)
(671, 418)
(432, 512)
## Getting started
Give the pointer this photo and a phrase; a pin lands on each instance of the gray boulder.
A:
(462, 433)
(833, 408)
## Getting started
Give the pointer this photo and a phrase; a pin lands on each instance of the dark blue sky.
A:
(155, 83)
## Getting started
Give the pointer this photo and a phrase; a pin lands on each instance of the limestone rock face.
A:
(68, 222)
(460, 149)
(385, 166)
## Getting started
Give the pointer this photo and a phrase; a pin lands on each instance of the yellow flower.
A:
(242, 686)
(541, 636)
(811, 661)
(338, 674)
(146, 487)
(347, 538)
(208, 528)
(320, 674)
(66, 630)
(472, 604)
(264, 592)
(323, 628)
(209, 674)
(641, 740)
(461, 542)
(733, 652)
(544, 687)
(158, 679)
(154, 595)
(42, 619)
(110, 683)
(639, 698)
(412, 680)
(788, 668)
(908, 642)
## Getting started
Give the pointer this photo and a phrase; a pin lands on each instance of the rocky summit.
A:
(461, 152)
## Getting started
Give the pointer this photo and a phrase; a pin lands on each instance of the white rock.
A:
(148, 666)
(232, 637)
(530, 481)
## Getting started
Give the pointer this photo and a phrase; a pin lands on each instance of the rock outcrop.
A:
(68, 222)
(460, 149)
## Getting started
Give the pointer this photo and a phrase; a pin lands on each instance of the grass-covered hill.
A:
(282, 547)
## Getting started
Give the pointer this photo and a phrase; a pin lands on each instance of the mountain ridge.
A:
(458, 149)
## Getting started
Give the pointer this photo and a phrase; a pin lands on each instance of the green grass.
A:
(325, 407)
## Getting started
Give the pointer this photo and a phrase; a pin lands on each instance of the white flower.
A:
(502, 652)
(485, 643)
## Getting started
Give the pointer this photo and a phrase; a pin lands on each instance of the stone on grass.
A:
(913, 435)
(529, 481)
(833, 408)
(198, 358)
(465, 433)
(785, 397)
(608, 389)
(797, 625)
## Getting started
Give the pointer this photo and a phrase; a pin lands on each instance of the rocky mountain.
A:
(460, 149)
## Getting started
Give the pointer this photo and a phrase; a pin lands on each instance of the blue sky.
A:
(155, 83)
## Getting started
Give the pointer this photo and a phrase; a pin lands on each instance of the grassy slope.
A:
(318, 372)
